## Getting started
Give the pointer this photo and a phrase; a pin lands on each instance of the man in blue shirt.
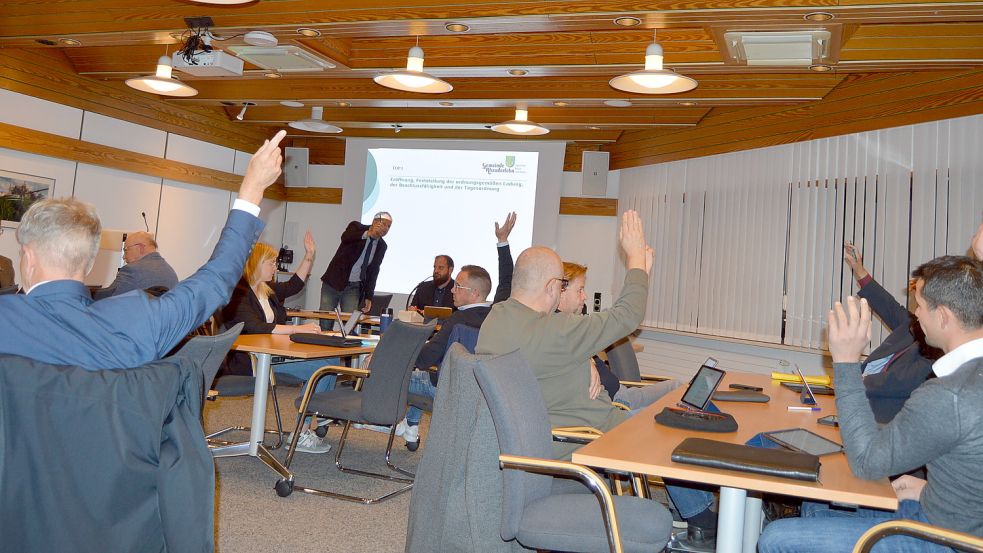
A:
(57, 322)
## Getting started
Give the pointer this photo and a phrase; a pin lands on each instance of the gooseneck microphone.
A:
(144, 214)
(409, 298)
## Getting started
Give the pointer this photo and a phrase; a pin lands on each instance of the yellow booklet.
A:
(786, 377)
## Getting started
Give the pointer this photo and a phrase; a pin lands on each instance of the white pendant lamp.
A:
(653, 79)
(162, 82)
(315, 123)
(413, 78)
(521, 125)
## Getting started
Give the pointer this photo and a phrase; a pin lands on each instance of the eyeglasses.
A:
(457, 286)
(564, 283)
(128, 248)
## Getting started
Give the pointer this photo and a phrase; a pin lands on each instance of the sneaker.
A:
(411, 433)
(401, 427)
(325, 422)
(372, 427)
(310, 443)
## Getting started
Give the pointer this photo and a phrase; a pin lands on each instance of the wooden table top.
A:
(280, 344)
(643, 446)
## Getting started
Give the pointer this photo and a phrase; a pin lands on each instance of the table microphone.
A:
(144, 214)
(409, 298)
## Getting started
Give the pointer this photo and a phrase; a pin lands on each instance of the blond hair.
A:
(260, 254)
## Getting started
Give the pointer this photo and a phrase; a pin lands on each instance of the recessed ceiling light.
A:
(291, 103)
(344, 104)
(517, 72)
(273, 75)
(308, 32)
(446, 104)
(560, 103)
(593, 128)
(70, 41)
(687, 103)
(820, 67)
(617, 103)
(627, 21)
(457, 27)
(818, 16)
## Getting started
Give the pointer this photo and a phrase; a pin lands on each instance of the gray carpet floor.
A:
(250, 517)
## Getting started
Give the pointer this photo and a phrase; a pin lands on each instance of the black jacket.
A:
(244, 307)
(425, 292)
(890, 388)
(104, 461)
(345, 257)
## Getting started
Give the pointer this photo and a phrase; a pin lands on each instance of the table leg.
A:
(730, 520)
(752, 523)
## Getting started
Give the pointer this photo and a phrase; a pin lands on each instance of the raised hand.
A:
(263, 170)
(853, 258)
(309, 246)
(632, 238)
(849, 330)
(502, 232)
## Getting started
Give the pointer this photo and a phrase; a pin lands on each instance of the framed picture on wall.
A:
(17, 192)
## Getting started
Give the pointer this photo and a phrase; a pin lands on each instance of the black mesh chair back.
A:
(623, 362)
(523, 428)
(9, 290)
(384, 392)
(379, 304)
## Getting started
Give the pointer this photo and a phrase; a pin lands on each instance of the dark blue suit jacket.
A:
(59, 323)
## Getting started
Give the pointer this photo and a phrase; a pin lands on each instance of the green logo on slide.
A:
(509, 161)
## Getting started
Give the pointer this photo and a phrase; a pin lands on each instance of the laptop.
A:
(806, 397)
(346, 340)
(348, 328)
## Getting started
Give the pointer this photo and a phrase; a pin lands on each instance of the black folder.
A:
(325, 340)
(744, 458)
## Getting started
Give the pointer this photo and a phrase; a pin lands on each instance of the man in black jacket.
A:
(351, 275)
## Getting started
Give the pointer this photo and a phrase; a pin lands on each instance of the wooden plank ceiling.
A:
(892, 63)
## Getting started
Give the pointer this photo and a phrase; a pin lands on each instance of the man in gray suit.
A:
(6, 272)
(145, 268)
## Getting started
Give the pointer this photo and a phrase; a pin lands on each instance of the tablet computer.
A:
(800, 439)
(702, 387)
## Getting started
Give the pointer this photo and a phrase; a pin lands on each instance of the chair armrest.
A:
(621, 406)
(576, 434)
(654, 377)
(582, 429)
(580, 472)
(341, 369)
(920, 530)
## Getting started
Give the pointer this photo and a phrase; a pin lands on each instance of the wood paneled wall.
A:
(862, 102)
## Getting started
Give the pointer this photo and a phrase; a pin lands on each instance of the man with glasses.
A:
(470, 291)
(559, 346)
(144, 269)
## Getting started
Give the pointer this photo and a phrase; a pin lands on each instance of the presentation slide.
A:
(447, 202)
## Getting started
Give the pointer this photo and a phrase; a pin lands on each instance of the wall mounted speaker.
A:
(594, 167)
(295, 166)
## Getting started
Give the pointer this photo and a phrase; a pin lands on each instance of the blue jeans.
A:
(689, 502)
(420, 385)
(348, 298)
(824, 529)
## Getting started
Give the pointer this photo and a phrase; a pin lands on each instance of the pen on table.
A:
(797, 408)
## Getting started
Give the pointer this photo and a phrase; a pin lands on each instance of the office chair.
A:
(379, 398)
(920, 530)
(535, 515)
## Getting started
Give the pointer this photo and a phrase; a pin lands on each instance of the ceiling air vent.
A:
(796, 48)
(282, 59)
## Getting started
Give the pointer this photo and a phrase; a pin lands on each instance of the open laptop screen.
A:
(806, 396)
(349, 325)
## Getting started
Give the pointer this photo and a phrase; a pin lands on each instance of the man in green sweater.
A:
(940, 426)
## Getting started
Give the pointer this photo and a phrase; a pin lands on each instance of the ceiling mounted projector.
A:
(316, 123)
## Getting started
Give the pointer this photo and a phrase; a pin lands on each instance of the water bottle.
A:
(385, 319)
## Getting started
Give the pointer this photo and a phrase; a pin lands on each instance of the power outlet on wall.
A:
(597, 301)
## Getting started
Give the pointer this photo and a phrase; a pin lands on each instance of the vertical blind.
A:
(750, 244)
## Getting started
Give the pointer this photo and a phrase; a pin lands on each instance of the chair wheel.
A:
(321, 431)
(413, 446)
(284, 487)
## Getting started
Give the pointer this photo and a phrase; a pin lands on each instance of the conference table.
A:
(640, 445)
(371, 320)
(264, 347)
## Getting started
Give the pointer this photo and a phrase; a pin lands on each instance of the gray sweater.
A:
(940, 426)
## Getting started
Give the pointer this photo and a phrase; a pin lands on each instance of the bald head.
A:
(535, 281)
(137, 245)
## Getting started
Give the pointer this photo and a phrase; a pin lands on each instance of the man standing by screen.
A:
(351, 275)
